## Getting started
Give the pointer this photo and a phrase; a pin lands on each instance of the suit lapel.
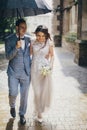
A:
(26, 44)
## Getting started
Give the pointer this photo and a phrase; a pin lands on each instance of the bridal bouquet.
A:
(45, 69)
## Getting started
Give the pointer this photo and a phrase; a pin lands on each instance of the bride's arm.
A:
(31, 51)
(51, 55)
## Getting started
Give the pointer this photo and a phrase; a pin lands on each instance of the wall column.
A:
(81, 43)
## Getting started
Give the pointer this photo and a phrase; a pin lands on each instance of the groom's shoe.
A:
(13, 112)
(22, 120)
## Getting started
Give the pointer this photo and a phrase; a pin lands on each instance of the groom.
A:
(17, 48)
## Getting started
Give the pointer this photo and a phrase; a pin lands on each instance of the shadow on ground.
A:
(35, 126)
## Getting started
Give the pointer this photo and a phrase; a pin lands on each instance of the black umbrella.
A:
(22, 8)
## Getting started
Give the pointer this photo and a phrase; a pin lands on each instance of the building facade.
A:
(72, 19)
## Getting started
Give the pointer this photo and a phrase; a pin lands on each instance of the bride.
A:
(41, 69)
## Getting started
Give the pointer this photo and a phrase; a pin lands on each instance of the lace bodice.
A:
(40, 50)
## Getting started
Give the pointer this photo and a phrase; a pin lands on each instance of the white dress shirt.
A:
(23, 44)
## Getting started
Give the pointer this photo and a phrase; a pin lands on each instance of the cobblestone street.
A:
(68, 110)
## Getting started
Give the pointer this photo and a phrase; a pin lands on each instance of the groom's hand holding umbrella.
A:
(18, 45)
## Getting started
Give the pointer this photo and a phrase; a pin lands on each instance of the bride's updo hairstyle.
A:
(43, 29)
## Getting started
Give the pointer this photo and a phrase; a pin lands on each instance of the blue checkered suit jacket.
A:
(19, 60)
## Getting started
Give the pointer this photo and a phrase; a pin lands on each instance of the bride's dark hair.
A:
(43, 29)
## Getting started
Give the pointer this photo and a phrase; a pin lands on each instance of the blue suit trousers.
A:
(14, 84)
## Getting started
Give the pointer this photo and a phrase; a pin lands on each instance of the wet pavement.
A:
(68, 110)
(3, 61)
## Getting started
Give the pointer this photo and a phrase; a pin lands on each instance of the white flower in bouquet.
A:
(45, 70)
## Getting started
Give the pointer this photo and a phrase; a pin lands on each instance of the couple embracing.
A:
(29, 61)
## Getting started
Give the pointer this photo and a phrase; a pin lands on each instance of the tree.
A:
(7, 26)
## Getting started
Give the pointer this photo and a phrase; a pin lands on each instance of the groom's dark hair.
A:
(19, 21)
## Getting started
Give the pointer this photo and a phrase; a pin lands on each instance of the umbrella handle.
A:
(18, 15)
(19, 34)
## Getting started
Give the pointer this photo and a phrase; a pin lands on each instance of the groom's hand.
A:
(18, 45)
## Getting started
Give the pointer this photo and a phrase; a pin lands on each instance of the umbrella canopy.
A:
(13, 8)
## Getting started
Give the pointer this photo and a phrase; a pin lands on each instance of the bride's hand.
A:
(47, 56)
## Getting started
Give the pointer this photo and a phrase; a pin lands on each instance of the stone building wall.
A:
(69, 24)
(70, 17)
(55, 22)
(76, 18)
